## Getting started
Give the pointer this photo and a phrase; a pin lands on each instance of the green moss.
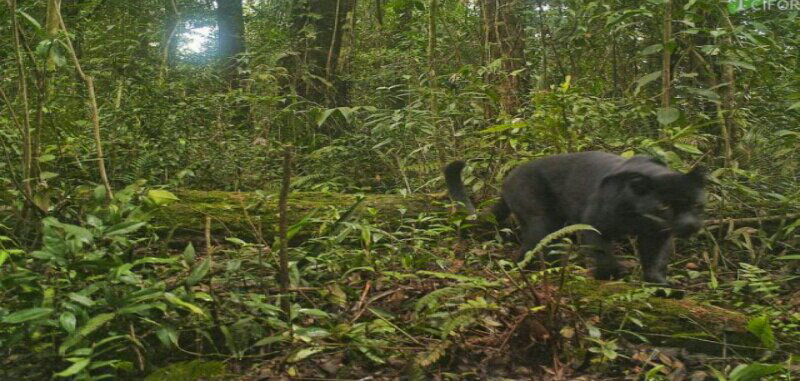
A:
(237, 213)
(688, 322)
(190, 371)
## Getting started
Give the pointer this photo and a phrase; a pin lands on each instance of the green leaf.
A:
(503, 127)
(81, 299)
(796, 105)
(303, 354)
(96, 322)
(644, 80)
(269, 340)
(321, 118)
(189, 253)
(161, 197)
(667, 115)
(92, 325)
(74, 368)
(313, 312)
(124, 228)
(46, 158)
(655, 48)
(27, 315)
(688, 148)
(737, 63)
(178, 302)
(68, 321)
(30, 19)
(705, 93)
(789, 257)
(753, 372)
(760, 327)
(199, 272)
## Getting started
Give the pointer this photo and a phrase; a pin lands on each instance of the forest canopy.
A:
(253, 189)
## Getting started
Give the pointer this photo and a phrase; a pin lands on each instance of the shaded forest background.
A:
(108, 108)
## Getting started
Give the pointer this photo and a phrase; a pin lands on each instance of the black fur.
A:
(619, 197)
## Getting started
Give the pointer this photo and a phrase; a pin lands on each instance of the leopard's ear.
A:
(638, 182)
(698, 175)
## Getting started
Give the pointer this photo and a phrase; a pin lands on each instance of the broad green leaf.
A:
(789, 257)
(92, 325)
(655, 48)
(30, 19)
(313, 312)
(3, 256)
(81, 299)
(44, 175)
(321, 118)
(74, 368)
(68, 321)
(161, 197)
(269, 340)
(706, 93)
(687, 148)
(753, 372)
(760, 327)
(644, 80)
(124, 228)
(96, 322)
(27, 315)
(796, 105)
(47, 157)
(189, 253)
(199, 272)
(178, 302)
(303, 354)
(667, 115)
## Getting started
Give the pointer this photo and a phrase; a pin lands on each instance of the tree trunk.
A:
(170, 43)
(666, 74)
(231, 43)
(320, 50)
(503, 32)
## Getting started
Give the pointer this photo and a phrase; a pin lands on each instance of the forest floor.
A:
(415, 299)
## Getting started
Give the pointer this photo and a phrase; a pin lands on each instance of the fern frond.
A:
(479, 282)
(565, 231)
(425, 359)
(431, 301)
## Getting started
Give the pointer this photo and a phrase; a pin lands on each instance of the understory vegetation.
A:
(252, 189)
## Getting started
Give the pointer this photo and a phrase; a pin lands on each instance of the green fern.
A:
(480, 282)
(428, 358)
(431, 301)
(462, 318)
(565, 231)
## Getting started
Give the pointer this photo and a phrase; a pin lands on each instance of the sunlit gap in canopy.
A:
(196, 40)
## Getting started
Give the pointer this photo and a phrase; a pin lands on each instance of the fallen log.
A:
(254, 215)
(688, 323)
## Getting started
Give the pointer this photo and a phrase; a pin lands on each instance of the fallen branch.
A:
(751, 220)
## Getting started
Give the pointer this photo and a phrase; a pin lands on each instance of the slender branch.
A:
(27, 151)
(95, 114)
(283, 226)
(750, 220)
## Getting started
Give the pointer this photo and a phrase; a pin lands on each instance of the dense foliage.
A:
(109, 110)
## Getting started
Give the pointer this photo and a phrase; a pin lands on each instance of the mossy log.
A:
(249, 215)
(690, 322)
